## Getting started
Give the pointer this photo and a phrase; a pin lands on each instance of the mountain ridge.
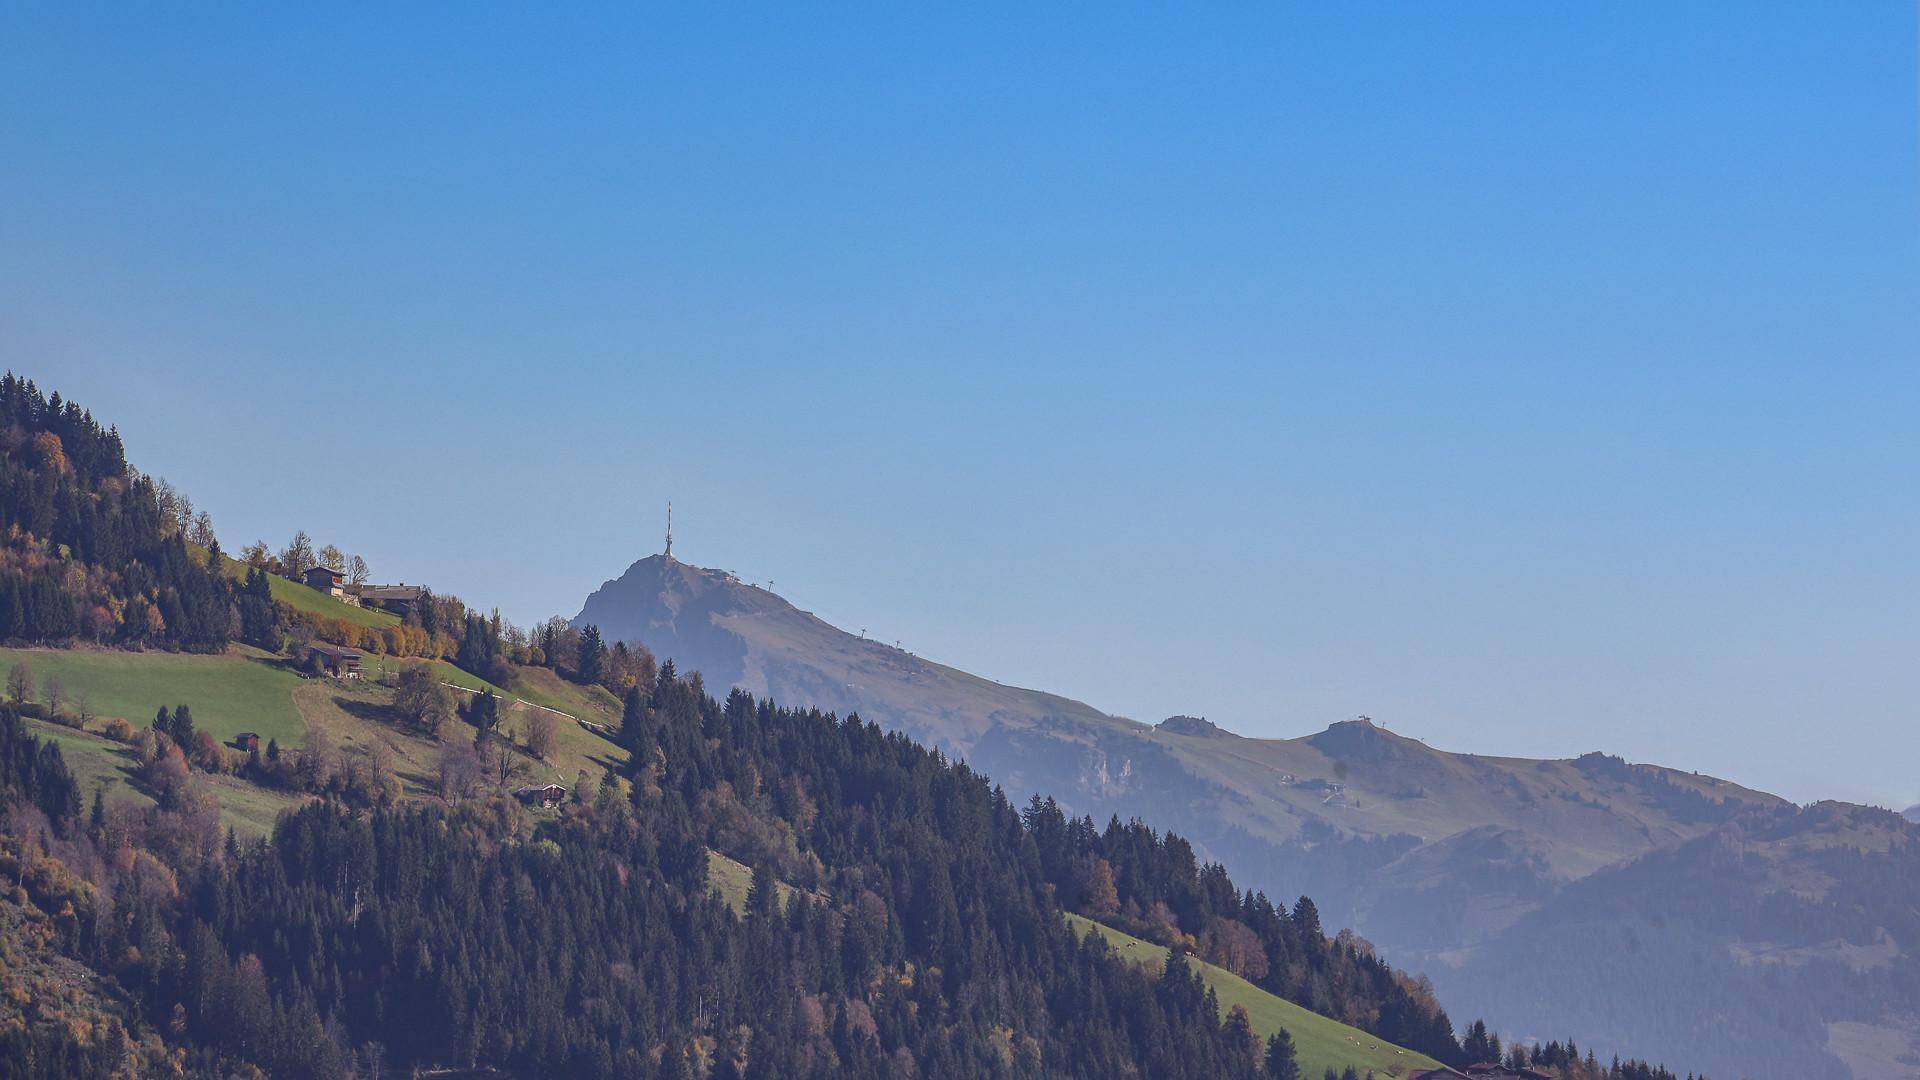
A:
(1355, 776)
(1442, 860)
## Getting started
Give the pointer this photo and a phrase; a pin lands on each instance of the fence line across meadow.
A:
(528, 704)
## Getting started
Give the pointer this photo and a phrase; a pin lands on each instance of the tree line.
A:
(88, 553)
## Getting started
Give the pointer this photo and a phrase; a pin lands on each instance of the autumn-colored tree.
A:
(1102, 899)
(1241, 1042)
(542, 732)
(49, 453)
(1237, 948)
(205, 753)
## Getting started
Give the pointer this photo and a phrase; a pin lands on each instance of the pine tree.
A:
(1306, 918)
(593, 655)
(634, 729)
(1283, 1061)
(763, 894)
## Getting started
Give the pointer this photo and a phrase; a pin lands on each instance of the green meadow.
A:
(240, 690)
(1320, 1042)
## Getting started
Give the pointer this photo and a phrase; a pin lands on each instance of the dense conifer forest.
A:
(927, 937)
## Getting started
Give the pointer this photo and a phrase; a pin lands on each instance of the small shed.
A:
(326, 579)
(546, 796)
(339, 662)
(248, 741)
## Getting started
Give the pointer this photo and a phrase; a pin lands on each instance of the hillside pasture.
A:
(1321, 1042)
(301, 598)
(100, 764)
(241, 690)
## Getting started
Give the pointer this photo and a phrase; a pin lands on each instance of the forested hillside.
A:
(88, 553)
(368, 891)
(1471, 869)
(928, 936)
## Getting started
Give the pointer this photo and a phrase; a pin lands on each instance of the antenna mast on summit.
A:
(669, 528)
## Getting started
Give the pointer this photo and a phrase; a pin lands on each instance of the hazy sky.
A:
(1535, 382)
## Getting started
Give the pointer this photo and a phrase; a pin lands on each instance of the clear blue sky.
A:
(1535, 379)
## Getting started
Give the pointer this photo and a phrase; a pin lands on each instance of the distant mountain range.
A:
(1781, 941)
(1912, 813)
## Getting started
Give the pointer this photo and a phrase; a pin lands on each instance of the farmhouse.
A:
(325, 579)
(338, 662)
(399, 599)
(543, 795)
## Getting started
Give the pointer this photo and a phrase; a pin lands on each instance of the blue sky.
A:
(1532, 379)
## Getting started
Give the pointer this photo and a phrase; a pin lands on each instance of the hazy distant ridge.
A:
(1471, 868)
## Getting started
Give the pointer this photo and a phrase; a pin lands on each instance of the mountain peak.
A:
(1198, 726)
(1360, 739)
(737, 634)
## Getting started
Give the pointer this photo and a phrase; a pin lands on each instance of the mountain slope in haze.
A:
(1354, 782)
(736, 634)
(1446, 862)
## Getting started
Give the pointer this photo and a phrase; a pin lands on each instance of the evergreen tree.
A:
(593, 655)
(1283, 1061)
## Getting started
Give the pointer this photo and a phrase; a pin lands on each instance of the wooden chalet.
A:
(336, 661)
(248, 741)
(546, 796)
(326, 579)
(399, 599)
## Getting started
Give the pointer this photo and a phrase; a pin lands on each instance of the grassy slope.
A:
(301, 598)
(242, 690)
(358, 714)
(1322, 1043)
(95, 761)
(732, 879)
(375, 666)
(245, 690)
(575, 748)
(543, 687)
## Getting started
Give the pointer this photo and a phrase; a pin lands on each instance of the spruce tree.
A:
(593, 655)
(1283, 1060)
